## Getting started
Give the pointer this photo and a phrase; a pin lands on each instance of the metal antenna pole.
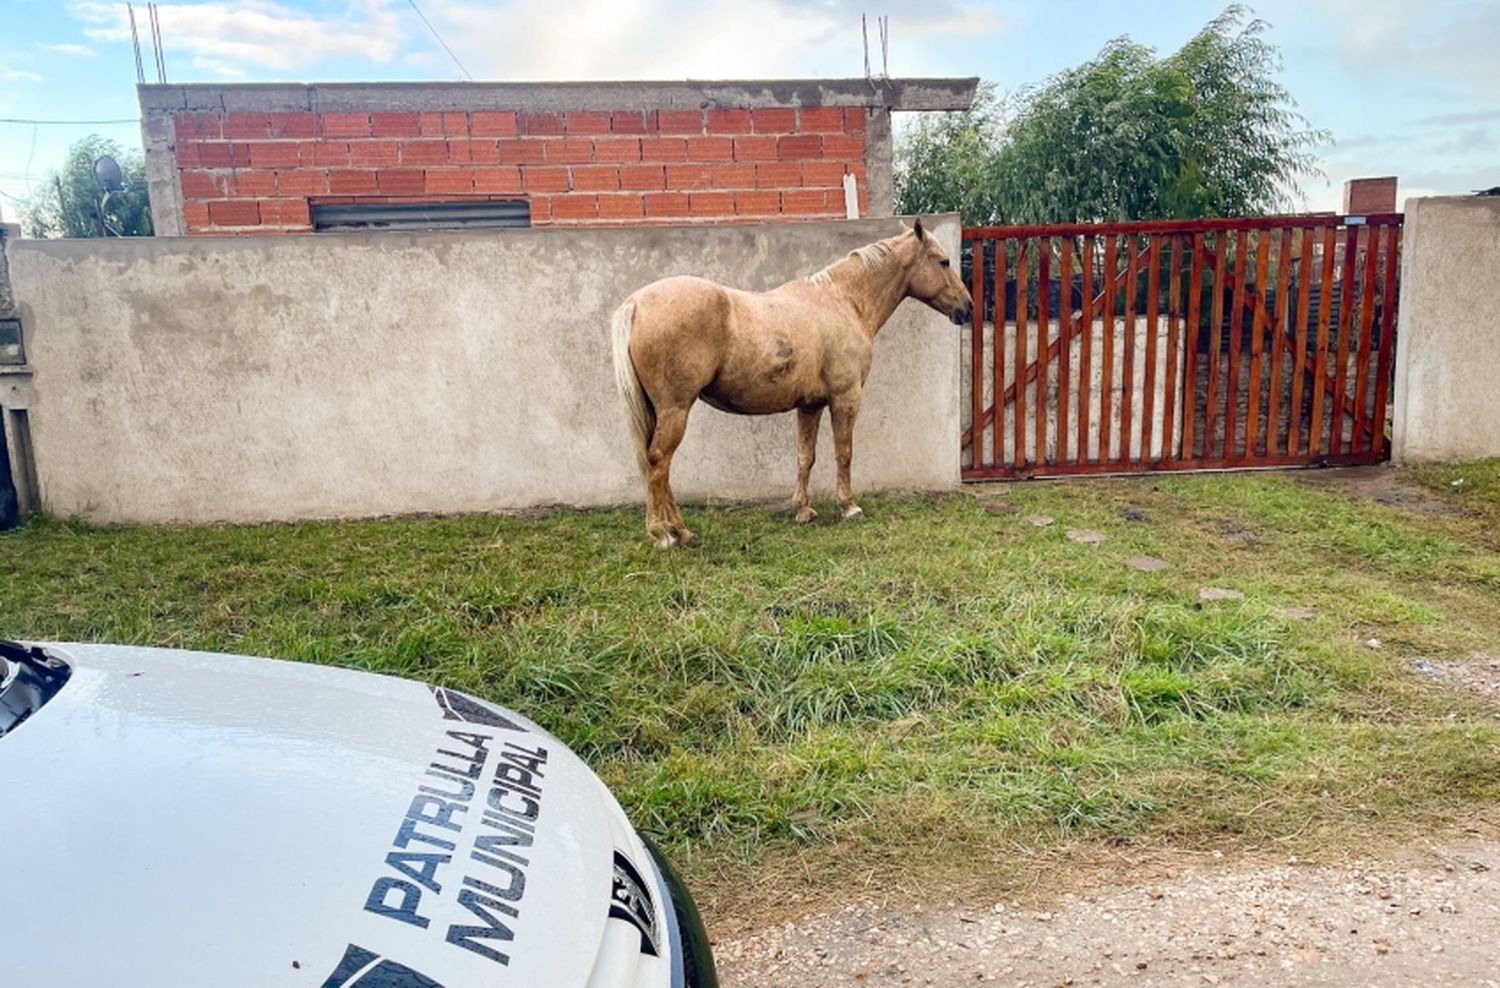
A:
(135, 43)
(885, 46)
(163, 48)
(864, 32)
(161, 68)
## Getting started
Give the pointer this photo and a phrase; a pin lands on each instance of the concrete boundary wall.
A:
(1447, 395)
(244, 380)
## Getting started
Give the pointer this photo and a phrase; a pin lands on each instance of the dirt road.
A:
(1429, 918)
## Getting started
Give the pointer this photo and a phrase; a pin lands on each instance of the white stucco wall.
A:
(197, 380)
(1447, 393)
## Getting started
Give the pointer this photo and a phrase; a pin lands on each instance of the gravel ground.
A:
(1429, 918)
(1479, 676)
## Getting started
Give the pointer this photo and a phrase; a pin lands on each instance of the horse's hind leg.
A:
(663, 519)
(808, 420)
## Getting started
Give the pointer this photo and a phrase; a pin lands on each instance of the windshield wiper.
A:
(31, 677)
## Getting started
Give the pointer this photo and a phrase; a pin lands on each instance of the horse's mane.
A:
(872, 256)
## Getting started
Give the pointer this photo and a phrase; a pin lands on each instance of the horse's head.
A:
(935, 281)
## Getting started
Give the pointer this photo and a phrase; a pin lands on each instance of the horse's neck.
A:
(875, 292)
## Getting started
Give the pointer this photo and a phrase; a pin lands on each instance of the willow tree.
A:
(1204, 131)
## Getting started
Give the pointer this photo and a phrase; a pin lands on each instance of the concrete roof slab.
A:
(543, 97)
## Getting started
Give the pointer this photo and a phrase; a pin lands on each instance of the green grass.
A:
(814, 707)
(1473, 486)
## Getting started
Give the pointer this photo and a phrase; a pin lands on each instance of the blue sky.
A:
(1405, 88)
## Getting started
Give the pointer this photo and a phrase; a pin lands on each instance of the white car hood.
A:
(183, 819)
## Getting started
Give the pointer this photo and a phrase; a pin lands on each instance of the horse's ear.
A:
(921, 234)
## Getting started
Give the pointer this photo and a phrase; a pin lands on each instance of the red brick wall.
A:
(256, 173)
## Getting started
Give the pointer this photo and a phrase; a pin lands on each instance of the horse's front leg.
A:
(843, 410)
(808, 420)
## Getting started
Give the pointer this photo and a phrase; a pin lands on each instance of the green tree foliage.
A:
(1205, 131)
(65, 205)
(946, 162)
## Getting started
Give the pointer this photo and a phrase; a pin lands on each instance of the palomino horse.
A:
(805, 345)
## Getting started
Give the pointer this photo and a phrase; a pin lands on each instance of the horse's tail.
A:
(638, 411)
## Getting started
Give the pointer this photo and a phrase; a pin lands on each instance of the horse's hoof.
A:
(852, 512)
(686, 538)
(665, 541)
(805, 515)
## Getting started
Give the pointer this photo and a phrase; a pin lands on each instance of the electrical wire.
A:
(440, 40)
(67, 123)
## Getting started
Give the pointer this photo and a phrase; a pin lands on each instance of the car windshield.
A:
(29, 677)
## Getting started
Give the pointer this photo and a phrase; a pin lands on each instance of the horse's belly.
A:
(774, 378)
(761, 401)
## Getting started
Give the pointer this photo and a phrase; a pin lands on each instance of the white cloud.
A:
(1468, 141)
(1468, 117)
(220, 67)
(1457, 44)
(250, 36)
(77, 51)
(1460, 148)
(1438, 60)
(18, 75)
(552, 39)
(667, 39)
(1453, 181)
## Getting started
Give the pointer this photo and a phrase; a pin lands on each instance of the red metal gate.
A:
(1205, 344)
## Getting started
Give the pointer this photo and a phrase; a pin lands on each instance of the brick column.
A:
(1363, 196)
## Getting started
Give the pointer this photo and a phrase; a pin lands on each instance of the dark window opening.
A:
(346, 216)
(12, 350)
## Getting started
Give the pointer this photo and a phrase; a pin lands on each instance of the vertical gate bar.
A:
(976, 359)
(1148, 390)
(1315, 445)
(1215, 342)
(1232, 384)
(1196, 247)
(1363, 440)
(1280, 329)
(1304, 327)
(1064, 346)
(1043, 341)
(1086, 350)
(1387, 334)
(1107, 385)
(999, 385)
(1023, 277)
(1257, 336)
(1174, 326)
(1345, 325)
(1127, 369)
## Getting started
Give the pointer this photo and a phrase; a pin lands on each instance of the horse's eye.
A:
(944, 263)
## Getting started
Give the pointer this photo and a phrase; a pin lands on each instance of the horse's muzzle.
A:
(962, 316)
